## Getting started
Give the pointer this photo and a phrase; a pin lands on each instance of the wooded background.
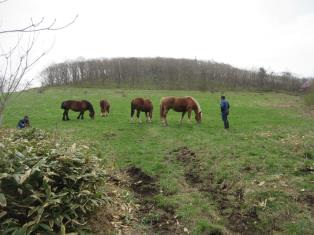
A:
(164, 73)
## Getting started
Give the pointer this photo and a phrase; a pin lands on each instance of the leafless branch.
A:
(17, 61)
(36, 27)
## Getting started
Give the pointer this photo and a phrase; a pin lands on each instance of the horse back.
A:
(142, 104)
(67, 104)
(148, 105)
(104, 105)
(179, 104)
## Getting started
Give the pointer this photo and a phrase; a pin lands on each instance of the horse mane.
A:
(165, 97)
(89, 106)
(197, 104)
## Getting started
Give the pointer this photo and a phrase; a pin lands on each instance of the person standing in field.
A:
(224, 107)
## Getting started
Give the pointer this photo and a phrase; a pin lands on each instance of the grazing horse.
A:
(104, 107)
(77, 106)
(140, 104)
(180, 104)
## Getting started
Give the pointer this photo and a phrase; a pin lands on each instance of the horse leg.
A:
(189, 115)
(67, 115)
(138, 116)
(163, 114)
(63, 116)
(183, 113)
(146, 117)
(150, 116)
(132, 113)
(82, 116)
(165, 118)
(78, 117)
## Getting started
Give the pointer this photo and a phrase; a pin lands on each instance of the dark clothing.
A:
(224, 107)
(23, 123)
(225, 120)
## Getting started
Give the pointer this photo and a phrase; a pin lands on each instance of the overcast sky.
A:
(275, 34)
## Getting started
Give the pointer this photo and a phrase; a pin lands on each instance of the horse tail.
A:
(162, 109)
(132, 108)
(101, 104)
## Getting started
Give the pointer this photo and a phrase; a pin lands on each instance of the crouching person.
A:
(23, 123)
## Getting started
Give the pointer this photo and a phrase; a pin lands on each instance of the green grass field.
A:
(256, 178)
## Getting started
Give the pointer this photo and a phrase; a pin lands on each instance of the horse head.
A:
(92, 114)
(198, 116)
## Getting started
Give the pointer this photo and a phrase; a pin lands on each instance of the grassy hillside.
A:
(255, 178)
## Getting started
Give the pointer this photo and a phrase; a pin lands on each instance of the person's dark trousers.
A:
(225, 120)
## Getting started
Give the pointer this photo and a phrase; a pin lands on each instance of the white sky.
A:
(275, 34)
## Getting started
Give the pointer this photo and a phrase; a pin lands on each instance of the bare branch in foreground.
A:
(36, 27)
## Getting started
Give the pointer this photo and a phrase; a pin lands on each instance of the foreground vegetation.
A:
(46, 186)
(256, 178)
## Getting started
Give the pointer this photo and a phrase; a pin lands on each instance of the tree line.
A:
(164, 73)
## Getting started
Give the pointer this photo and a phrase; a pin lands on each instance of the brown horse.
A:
(77, 106)
(180, 104)
(140, 104)
(104, 107)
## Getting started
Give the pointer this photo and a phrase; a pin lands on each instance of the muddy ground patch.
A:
(147, 215)
(228, 196)
(191, 163)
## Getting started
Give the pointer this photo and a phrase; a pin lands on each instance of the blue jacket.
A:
(224, 106)
(23, 123)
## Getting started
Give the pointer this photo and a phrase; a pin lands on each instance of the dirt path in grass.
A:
(228, 198)
(132, 210)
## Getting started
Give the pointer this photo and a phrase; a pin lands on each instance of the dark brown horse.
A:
(104, 107)
(180, 104)
(140, 104)
(77, 106)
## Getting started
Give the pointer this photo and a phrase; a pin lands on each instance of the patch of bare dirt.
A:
(141, 183)
(228, 196)
(144, 211)
(307, 169)
(159, 220)
(192, 164)
(184, 154)
(307, 199)
(119, 215)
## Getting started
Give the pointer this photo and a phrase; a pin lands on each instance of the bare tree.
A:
(15, 62)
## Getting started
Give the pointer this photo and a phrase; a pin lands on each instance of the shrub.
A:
(46, 187)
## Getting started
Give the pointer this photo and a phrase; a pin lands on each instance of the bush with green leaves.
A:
(46, 187)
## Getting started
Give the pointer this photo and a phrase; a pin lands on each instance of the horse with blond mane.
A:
(180, 104)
